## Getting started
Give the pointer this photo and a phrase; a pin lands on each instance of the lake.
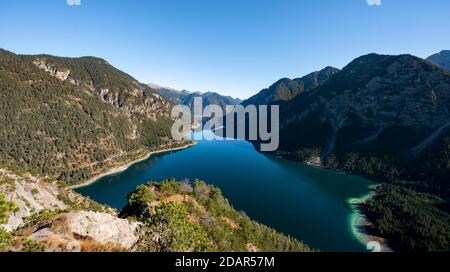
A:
(308, 203)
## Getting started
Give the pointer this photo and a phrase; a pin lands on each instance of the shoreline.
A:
(359, 223)
(121, 168)
(358, 220)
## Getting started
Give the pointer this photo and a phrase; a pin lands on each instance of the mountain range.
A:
(370, 107)
(286, 89)
(365, 107)
(72, 118)
(171, 94)
(386, 118)
(187, 98)
(66, 120)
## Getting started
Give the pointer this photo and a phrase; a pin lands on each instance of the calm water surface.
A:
(305, 202)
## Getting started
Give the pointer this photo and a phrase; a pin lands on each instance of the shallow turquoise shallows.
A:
(305, 202)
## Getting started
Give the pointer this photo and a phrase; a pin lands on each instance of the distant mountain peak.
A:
(157, 86)
(287, 89)
(441, 59)
(187, 98)
(444, 52)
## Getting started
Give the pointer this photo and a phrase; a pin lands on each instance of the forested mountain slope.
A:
(287, 89)
(71, 118)
(387, 118)
(381, 106)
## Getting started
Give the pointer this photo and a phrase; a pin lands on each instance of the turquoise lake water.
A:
(305, 202)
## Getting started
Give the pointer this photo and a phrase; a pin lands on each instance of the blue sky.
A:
(236, 47)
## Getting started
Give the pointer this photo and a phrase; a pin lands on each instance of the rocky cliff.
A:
(49, 217)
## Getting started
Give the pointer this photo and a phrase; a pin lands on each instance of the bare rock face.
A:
(128, 94)
(83, 231)
(52, 70)
(30, 195)
(104, 228)
(63, 230)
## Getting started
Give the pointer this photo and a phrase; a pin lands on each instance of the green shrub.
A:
(33, 246)
(6, 207)
(142, 194)
(170, 186)
(180, 234)
(6, 240)
(42, 216)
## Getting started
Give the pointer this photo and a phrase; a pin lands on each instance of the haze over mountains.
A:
(169, 93)
(441, 59)
(187, 98)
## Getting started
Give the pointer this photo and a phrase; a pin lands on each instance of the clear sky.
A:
(236, 47)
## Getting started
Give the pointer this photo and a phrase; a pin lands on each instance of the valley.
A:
(81, 124)
(307, 203)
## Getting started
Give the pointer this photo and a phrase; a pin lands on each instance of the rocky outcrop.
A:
(61, 74)
(85, 231)
(61, 219)
(128, 95)
(30, 194)
(104, 228)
